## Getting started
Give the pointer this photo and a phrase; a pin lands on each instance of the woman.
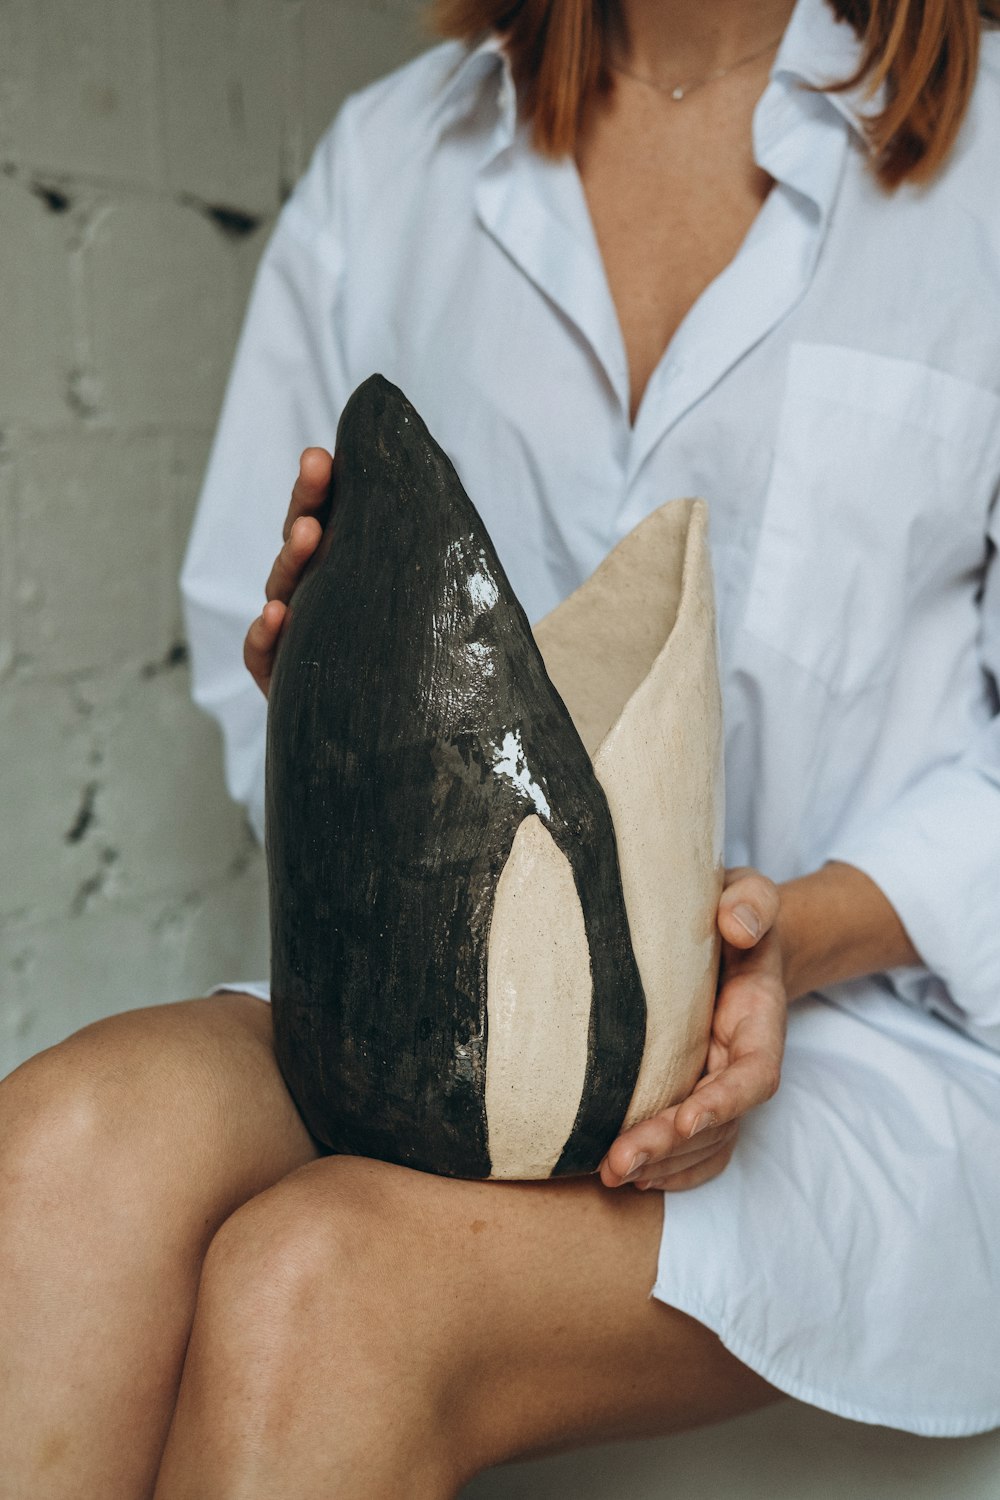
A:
(707, 288)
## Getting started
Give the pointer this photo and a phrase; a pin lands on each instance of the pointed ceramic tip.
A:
(386, 456)
(377, 409)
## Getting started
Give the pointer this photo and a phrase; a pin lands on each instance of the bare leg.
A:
(367, 1331)
(121, 1152)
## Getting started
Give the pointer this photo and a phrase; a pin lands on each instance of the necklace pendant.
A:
(677, 93)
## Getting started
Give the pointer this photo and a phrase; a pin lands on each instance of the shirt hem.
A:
(801, 1390)
(258, 988)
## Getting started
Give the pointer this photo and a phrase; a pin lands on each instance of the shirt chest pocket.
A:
(882, 478)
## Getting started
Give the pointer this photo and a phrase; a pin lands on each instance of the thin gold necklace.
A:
(681, 90)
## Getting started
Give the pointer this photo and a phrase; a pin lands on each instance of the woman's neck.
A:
(676, 39)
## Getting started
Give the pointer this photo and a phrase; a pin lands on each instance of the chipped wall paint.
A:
(145, 147)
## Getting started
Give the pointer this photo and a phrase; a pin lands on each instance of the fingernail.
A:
(634, 1165)
(700, 1122)
(748, 918)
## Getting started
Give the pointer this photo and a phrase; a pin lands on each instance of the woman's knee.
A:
(309, 1319)
(290, 1245)
(130, 1116)
(54, 1111)
(72, 1125)
(322, 1257)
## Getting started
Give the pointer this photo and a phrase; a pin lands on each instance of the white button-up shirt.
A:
(834, 394)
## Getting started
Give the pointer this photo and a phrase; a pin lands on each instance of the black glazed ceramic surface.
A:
(411, 728)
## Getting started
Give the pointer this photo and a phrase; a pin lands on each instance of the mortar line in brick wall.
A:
(40, 180)
(16, 436)
(83, 394)
(23, 924)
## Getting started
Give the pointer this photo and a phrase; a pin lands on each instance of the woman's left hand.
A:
(691, 1142)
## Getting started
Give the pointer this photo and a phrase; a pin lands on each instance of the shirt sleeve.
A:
(286, 391)
(935, 853)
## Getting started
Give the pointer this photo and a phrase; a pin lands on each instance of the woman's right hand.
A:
(303, 528)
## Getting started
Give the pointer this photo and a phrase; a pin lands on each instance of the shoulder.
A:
(377, 137)
(405, 102)
(969, 176)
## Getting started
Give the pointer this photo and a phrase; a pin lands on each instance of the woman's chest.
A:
(832, 392)
(671, 193)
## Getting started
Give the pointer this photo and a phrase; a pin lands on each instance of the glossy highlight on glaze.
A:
(412, 729)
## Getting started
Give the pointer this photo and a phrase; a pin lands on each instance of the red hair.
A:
(925, 51)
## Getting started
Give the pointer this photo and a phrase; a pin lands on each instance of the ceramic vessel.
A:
(494, 856)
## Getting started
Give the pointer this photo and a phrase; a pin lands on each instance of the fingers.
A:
(746, 1057)
(307, 513)
(302, 541)
(748, 908)
(693, 1175)
(261, 640)
(304, 523)
(649, 1145)
(747, 1082)
(692, 1141)
(311, 491)
(752, 1015)
(686, 1163)
(683, 1163)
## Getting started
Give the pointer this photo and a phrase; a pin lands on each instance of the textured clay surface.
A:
(412, 729)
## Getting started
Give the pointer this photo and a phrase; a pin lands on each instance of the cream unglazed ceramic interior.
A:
(633, 655)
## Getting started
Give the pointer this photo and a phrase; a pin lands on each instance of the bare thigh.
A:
(122, 1150)
(497, 1320)
(536, 1299)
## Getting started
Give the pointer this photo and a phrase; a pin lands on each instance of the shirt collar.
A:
(816, 47)
(819, 48)
(464, 84)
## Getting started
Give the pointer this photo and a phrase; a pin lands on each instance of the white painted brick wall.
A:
(145, 147)
(79, 86)
(224, 71)
(37, 344)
